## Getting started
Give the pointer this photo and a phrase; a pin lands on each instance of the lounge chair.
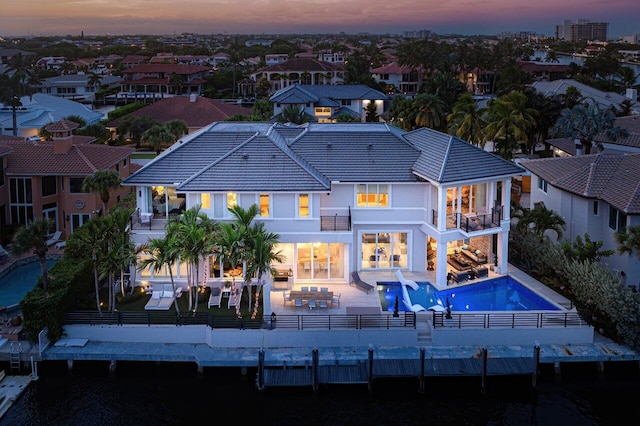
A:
(153, 302)
(215, 297)
(357, 281)
(168, 296)
(54, 238)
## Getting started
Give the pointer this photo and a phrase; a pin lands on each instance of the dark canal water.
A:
(174, 394)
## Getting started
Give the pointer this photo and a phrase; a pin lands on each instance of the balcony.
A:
(335, 223)
(471, 222)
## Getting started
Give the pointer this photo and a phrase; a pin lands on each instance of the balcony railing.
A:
(471, 222)
(336, 222)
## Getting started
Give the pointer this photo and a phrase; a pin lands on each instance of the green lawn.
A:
(143, 155)
(138, 303)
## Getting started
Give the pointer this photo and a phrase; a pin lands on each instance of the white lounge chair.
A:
(153, 302)
(168, 296)
(54, 238)
(215, 297)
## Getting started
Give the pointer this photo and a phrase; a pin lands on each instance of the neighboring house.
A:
(40, 110)
(307, 71)
(544, 71)
(7, 54)
(325, 103)
(44, 178)
(590, 94)
(195, 111)
(76, 87)
(406, 81)
(50, 62)
(158, 80)
(131, 61)
(631, 143)
(597, 194)
(275, 58)
(342, 197)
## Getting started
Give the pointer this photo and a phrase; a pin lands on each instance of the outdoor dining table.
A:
(305, 296)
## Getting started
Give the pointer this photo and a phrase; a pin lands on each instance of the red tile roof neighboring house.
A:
(303, 64)
(167, 68)
(40, 158)
(201, 112)
(62, 126)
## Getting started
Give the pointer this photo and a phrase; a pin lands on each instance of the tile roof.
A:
(254, 156)
(62, 126)
(445, 158)
(167, 68)
(558, 87)
(325, 93)
(200, 113)
(610, 177)
(303, 64)
(39, 158)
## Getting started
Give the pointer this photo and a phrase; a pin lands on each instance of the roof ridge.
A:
(445, 159)
(85, 158)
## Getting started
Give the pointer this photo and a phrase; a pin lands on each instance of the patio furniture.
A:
(474, 254)
(324, 288)
(297, 303)
(286, 296)
(311, 303)
(313, 288)
(54, 238)
(322, 304)
(357, 281)
(480, 271)
(304, 288)
(336, 299)
(215, 297)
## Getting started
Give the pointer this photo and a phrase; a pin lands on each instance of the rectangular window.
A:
(205, 201)
(303, 205)
(345, 102)
(20, 200)
(617, 219)
(264, 205)
(542, 185)
(48, 186)
(322, 110)
(384, 250)
(232, 200)
(595, 208)
(75, 186)
(372, 195)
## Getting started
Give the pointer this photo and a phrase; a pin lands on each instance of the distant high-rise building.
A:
(417, 34)
(582, 29)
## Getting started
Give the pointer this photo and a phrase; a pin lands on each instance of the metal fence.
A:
(291, 322)
(509, 320)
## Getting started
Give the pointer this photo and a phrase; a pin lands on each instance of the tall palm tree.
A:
(467, 120)
(193, 231)
(162, 252)
(120, 250)
(509, 119)
(229, 242)
(102, 182)
(158, 137)
(89, 238)
(12, 89)
(33, 236)
(243, 219)
(261, 258)
(585, 122)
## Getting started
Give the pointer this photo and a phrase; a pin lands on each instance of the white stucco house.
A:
(596, 194)
(343, 197)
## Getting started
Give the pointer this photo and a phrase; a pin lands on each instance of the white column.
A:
(503, 251)
(442, 209)
(441, 263)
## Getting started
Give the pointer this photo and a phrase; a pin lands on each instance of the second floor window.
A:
(264, 205)
(372, 195)
(205, 201)
(232, 200)
(303, 205)
(542, 185)
(75, 185)
(617, 219)
(48, 186)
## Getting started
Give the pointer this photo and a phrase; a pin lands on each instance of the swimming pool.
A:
(497, 294)
(15, 285)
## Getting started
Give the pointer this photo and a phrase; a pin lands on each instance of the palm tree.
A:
(230, 245)
(162, 252)
(585, 122)
(629, 240)
(193, 232)
(102, 182)
(541, 220)
(33, 236)
(262, 257)
(294, 114)
(120, 250)
(12, 89)
(158, 137)
(242, 225)
(94, 80)
(467, 120)
(89, 238)
(509, 118)
(178, 128)
(430, 111)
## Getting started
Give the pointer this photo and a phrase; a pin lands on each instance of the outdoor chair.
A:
(311, 303)
(298, 303)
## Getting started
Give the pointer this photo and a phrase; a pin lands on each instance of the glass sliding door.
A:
(384, 250)
(320, 261)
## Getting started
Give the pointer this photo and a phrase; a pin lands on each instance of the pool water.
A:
(497, 294)
(15, 285)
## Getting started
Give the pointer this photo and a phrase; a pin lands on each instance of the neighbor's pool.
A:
(15, 285)
(497, 294)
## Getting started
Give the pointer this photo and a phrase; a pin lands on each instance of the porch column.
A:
(506, 200)
(442, 209)
(441, 263)
(503, 251)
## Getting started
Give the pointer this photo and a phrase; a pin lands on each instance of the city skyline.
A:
(468, 17)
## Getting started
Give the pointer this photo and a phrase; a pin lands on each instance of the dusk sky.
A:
(100, 17)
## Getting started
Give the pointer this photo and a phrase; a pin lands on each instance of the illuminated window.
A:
(232, 200)
(205, 201)
(322, 110)
(303, 205)
(264, 205)
(372, 195)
